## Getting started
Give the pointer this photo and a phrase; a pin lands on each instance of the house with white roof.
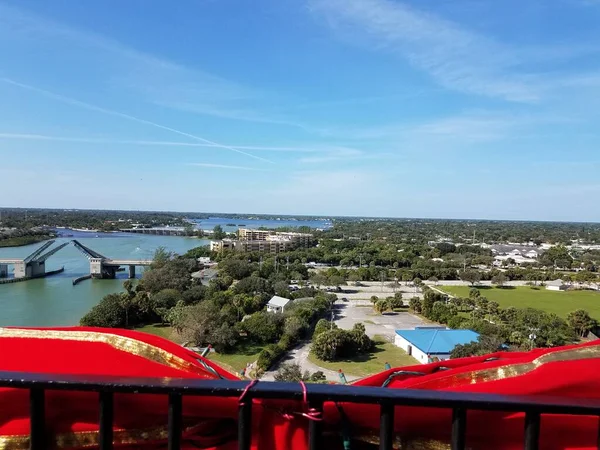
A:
(277, 304)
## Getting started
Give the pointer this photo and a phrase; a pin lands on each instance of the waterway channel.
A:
(54, 301)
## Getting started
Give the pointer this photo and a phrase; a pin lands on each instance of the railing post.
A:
(37, 438)
(459, 428)
(245, 423)
(386, 426)
(106, 420)
(175, 410)
(532, 430)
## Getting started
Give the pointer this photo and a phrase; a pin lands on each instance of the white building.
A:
(277, 304)
(428, 343)
(556, 285)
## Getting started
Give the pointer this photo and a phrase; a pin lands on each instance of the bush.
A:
(264, 327)
(108, 313)
(293, 373)
(287, 341)
(322, 326)
(337, 343)
(268, 356)
(416, 305)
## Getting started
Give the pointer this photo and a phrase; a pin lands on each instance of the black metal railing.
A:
(315, 394)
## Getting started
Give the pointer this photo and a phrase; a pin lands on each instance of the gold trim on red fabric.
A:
(121, 343)
(509, 370)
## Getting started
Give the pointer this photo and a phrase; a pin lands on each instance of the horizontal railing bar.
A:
(316, 392)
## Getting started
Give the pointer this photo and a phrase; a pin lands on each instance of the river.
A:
(54, 301)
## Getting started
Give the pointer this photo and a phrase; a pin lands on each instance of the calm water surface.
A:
(54, 301)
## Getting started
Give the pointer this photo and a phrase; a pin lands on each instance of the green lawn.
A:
(369, 364)
(234, 362)
(159, 330)
(238, 360)
(560, 303)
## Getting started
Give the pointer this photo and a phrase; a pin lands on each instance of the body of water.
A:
(54, 301)
(230, 224)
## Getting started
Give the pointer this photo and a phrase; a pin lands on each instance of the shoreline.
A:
(23, 244)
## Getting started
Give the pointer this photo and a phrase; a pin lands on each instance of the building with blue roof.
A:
(426, 344)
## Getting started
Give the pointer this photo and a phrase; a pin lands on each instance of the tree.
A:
(290, 372)
(223, 338)
(474, 293)
(295, 327)
(336, 280)
(417, 282)
(264, 327)
(470, 276)
(189, 229)
(360, 341)
(322, 326)
(499, 279)
(318, 279)
(218, 232)
(108, 313)
(415, 305)
(337, 343)
(485, 344)
(396, 301)
(235, 268)
(161, 257)
(581, 322)
(328, 345)
(172, 274)
(381, 306)
(434, 280)
(176, 316)
(281, 288)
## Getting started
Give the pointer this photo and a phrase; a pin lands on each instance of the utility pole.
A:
(287, 266)
(382, 278)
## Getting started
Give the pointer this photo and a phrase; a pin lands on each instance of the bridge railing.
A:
(316, 396)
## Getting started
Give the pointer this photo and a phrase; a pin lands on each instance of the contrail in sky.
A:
(85, 140)
(91, 107)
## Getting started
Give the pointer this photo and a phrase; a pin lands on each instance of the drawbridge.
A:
(34, 265)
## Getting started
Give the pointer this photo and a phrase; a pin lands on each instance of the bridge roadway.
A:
(100, 266)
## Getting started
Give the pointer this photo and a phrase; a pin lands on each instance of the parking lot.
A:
(348, 313)
(369, 288)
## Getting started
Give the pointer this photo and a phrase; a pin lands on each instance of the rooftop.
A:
(436, 341)
(278, 301)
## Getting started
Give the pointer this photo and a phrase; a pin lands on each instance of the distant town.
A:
(337, 298)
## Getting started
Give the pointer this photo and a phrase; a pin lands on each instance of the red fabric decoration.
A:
(140, 420)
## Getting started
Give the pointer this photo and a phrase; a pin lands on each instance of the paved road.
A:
(346, 315)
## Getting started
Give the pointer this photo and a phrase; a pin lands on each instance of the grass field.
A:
(159, 330)
(560, 303)
(374, 362)
(237, 361)
(233, 362)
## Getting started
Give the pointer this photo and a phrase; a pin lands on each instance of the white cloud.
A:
(456, 58)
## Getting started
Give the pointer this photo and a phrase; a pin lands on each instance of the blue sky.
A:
(429, 108)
